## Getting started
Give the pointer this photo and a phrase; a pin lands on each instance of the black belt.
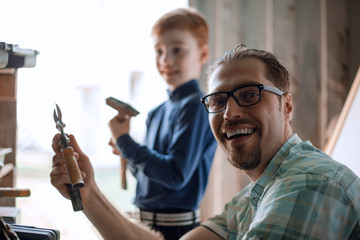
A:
(169, 219)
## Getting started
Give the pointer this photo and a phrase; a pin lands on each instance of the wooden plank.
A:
(355, 89)
(305, 120)
(7, 86)
(323, 92)
(254, 34)
(337, 59)
(8, 126)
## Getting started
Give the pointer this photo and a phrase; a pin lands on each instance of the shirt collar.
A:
(183, 90)
(272, 168)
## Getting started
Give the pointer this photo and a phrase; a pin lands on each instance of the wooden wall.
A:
(316, 40)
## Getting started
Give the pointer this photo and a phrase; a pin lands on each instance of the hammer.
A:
(123, 109)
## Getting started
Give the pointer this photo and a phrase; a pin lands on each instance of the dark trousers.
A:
(174, 233)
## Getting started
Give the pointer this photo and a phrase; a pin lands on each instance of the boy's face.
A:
(179, 58)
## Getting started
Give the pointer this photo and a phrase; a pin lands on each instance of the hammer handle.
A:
(123, 173)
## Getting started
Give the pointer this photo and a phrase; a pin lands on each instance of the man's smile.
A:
(239, 133)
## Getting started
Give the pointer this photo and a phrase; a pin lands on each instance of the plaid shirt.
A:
(302, 194)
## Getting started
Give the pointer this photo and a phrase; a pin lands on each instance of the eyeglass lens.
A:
(244, 96)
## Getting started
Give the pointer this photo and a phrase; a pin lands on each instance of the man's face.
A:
(250, 136)
(178, 57)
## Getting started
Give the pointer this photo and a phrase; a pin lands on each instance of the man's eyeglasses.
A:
(244, 96)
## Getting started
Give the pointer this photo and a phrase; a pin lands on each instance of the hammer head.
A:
(122, 107)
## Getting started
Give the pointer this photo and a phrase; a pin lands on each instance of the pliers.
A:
(70, 162)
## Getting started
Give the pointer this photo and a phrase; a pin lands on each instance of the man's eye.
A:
(249, 95)
(216, 101)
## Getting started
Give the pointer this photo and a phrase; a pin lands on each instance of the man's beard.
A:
(240, 157)
(246, 160)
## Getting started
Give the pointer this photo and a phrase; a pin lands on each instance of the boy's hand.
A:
(59, 175)
(115, 150)
(119, 126)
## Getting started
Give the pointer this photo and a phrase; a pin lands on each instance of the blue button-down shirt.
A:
(302, 194)
(173, 164)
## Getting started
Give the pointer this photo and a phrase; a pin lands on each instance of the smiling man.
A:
(296, 191)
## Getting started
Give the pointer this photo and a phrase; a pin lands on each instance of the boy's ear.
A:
(204, 54)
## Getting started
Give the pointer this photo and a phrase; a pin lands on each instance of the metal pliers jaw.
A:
(64, 140)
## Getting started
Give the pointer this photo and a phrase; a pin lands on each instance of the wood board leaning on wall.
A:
(344, 142)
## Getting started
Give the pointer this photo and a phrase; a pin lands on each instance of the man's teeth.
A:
(239, 131)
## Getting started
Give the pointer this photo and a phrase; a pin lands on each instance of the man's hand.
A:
(110, 223)
(59, 174)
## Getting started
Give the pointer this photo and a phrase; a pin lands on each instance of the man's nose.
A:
(232, 109)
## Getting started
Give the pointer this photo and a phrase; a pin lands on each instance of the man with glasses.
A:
(296, 191)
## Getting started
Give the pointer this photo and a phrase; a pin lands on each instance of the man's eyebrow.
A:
(250, 83)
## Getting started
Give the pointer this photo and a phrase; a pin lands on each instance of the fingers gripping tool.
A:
(70, 162)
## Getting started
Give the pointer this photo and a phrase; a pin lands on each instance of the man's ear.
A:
(204, 54)
(289, 107)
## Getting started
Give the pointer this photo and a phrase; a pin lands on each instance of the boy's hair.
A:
(188, 19)
(275, 71)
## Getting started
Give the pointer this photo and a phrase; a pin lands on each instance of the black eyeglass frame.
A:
(261, 87)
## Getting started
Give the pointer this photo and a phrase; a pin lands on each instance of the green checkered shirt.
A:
(302, 194)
